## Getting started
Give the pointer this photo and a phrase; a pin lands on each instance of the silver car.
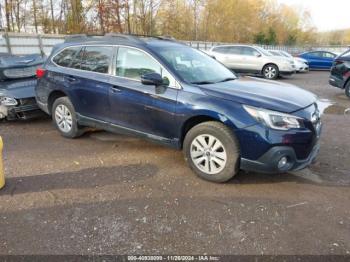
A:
(301, 64)
(252, 59)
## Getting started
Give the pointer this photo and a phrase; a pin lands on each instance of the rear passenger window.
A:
(132, 63)
(65, 57)
(222, 49)
(97, 59)
(76, 63)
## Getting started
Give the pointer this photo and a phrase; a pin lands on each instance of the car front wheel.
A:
(212, 151)
(347, 89)
(270, 71)
(64, 118)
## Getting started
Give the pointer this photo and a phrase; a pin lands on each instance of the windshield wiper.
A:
(202, 83)
(227, 79)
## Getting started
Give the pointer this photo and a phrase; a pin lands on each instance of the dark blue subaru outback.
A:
(165, 91)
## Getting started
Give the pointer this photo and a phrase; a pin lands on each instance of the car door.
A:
(139, 107)
(221, 53)
(315, 59)
(328, 59)
(252, 59)
(90, 82)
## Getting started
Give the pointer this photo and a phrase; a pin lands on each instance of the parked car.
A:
(17, 83)
(173, 94)
(319, 59)
(340, 72)
(19, 66)
(301, 65)
(252, 59)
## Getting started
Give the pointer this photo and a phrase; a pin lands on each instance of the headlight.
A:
(8, 101)
(273, 119)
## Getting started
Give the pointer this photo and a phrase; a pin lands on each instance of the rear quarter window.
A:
(66, 56)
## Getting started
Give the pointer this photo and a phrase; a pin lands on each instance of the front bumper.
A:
(268, 163)
(334, 81)
(26, 109)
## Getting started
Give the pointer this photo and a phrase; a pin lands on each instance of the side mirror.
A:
(152, 79)
(258, 55)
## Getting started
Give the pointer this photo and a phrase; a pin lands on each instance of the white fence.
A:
(20, 43)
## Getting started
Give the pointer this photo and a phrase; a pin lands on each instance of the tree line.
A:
(253, 21)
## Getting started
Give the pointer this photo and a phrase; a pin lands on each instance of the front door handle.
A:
(71, 78)
(115, 89)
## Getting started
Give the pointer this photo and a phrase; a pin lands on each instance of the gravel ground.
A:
(112, 194)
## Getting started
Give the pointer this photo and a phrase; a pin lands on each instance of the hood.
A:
(18, 88)
(299, 59)
(7, 60)
(281, 59)
(262, 93)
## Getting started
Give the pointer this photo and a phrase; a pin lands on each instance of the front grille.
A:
(20, 72)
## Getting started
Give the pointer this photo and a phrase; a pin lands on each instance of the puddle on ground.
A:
(328, 107)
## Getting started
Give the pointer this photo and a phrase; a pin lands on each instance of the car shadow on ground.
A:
(85, 178)
(305, 176)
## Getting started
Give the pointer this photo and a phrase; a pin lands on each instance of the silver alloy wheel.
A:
(63, 118)
(270, 72)
(208, 154)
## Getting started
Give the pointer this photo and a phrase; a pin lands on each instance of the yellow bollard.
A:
(2, 176)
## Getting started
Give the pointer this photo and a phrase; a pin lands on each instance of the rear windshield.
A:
(346, 54)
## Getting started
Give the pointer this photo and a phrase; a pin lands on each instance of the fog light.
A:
(282, 163)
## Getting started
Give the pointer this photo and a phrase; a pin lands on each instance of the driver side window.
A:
(133, 63)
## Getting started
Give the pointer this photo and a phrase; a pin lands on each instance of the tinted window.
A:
(317, 54)
(222, 49)
(249, 51)
(132, 63)
(76, 63)
(65, 57)
(97, 58)
(328, 55)
(236, 50)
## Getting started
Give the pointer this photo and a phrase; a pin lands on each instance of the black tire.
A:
(75, 131)
(270, 71)
(227, 139)
(347, 89)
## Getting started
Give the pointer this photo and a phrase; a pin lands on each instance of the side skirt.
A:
(90, 122)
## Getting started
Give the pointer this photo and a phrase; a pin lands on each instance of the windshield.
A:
(195, 67)
(286, 54)
(275, 53)
(262, 50)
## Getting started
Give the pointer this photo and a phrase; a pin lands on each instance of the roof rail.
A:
(127, 37)
(74, 38)
(114, 36)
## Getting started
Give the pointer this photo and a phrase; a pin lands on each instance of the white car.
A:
(301, 64)
(252, 59)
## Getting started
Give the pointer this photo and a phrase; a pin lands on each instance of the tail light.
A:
(40, 72)
(338, 62)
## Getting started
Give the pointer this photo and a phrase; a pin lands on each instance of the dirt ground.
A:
(112, 194)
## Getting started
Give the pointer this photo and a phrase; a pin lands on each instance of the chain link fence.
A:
(21, 43)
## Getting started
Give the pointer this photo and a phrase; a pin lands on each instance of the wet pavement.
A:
(112, 194)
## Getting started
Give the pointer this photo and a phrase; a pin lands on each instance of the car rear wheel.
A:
(64, 118)
(270, 71)
(347, 89)
(212, 151)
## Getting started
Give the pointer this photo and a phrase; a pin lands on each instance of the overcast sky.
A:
(326, 14)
